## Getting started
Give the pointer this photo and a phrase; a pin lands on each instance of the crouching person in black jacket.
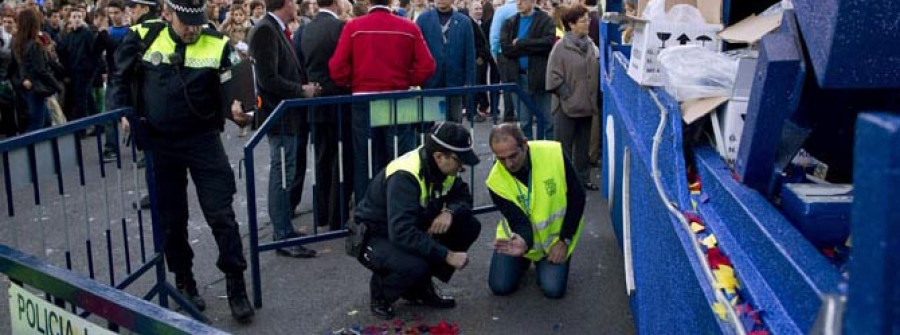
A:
(419, 219)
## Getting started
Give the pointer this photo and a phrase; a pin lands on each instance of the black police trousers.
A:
(397, 272)
(204, 157)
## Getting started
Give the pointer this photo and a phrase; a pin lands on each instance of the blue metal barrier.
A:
(393, 97)
(107, 302)
(75, 158)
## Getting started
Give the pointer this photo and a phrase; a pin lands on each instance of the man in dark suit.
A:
(280, 76)
(318, 41)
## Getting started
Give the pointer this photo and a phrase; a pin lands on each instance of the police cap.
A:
(190, 12)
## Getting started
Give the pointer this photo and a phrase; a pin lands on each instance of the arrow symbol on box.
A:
(683, 39)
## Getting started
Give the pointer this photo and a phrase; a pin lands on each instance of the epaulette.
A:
(150, 23)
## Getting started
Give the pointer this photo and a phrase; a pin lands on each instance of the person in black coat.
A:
(280, 76)
(482, 60)
(319, 39)
(35, 76)
(80, 60)
(524, 54)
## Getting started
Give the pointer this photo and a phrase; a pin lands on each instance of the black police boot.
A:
(237, 298)
(381, 307)
(187, 287)
(429, 297)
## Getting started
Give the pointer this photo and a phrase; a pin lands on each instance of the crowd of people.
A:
(59, 59)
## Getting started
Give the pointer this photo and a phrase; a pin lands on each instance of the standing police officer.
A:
(419, 219)
(177, 77)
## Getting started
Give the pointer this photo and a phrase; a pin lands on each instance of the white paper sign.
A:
(31, 314)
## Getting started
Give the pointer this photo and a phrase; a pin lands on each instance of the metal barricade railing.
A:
(113, 305)
(86, 227)
(385, 109)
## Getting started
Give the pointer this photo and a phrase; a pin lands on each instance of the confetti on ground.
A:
(353, 312)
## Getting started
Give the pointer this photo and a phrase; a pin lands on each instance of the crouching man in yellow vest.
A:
(419, 220)
(538, 192)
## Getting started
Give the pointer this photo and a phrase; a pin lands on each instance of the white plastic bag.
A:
(656, 11)
(686, 14)
(693, 72)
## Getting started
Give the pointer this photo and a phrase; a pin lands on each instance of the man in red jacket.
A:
(379, 52)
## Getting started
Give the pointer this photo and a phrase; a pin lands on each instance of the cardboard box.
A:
(652, 37)
(730, 121)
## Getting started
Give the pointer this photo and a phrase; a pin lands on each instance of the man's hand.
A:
(26, 84)
(126, 127)
(514, 41)
(458, 260)
(514, 246)
(441, 224)
(237, 114)
(558, 253)
(311, 90)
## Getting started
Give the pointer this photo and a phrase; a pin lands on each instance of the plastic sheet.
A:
(693, 72)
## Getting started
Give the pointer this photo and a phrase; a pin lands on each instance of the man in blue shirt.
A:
(525, 43)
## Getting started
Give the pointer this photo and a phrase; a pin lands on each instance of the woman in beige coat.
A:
(572, 79)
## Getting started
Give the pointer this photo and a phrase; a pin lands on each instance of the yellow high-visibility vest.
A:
(543, 200)
(410, 162)
(206, 53)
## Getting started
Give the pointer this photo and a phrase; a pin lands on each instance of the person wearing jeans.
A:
(525, 43)
(542, 206)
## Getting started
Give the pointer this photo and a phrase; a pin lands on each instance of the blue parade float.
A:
(747, 248)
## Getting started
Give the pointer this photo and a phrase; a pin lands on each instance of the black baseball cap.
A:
(456, 138)
(190, 12)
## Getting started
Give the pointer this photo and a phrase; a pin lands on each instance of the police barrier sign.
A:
(32, 315)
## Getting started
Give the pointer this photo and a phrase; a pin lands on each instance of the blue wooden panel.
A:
(873, 304)
(852, 43)
(775, 96)
(672, 295)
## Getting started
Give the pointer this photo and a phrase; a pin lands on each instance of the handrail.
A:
(65, 129)
(107, 302)
(341, 99)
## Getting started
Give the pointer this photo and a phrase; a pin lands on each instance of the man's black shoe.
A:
(109, 155)
(297, 251)
(237, 298)
(382, 309)
(430, 297)
(187, 287)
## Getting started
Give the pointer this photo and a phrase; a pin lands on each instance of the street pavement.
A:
(329, 292)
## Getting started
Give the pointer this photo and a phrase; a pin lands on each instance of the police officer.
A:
(536, 188)
(177, 75)
(419, 221)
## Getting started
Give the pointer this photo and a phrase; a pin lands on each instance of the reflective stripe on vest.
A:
(548, 200)
(410, 162)
(206, 53)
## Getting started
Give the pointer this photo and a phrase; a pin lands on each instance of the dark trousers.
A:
(574, 134)
(300, 172)
(382, 150)
(397, 272)
(334, 178)
(481, 98)
(79, 100)
(204, 157)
